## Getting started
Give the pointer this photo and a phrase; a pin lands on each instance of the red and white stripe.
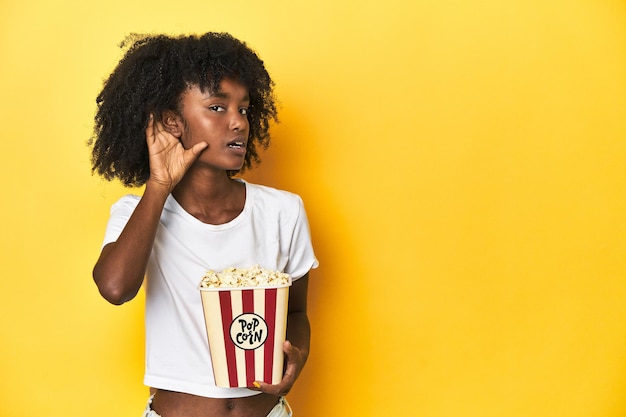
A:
(232, 365)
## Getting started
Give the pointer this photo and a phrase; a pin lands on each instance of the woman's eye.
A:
(244, 111)
(216, 108)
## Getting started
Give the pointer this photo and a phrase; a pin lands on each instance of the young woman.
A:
(181, 116)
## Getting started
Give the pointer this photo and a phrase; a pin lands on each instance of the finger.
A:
(159, 129)
(289, 376)
(156, 132)
(280, 389)
(198, 148)
(291, 370)
(150, 127)
(190, 155)
(293, 354)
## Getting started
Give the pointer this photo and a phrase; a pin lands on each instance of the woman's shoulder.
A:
(271, 194)
(269, 199)
(127, 202)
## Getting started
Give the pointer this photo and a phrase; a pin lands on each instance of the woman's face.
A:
(219, 119)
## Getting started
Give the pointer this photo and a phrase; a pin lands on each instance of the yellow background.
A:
(463, 164)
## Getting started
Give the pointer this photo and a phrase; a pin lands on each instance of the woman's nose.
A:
(238, 121)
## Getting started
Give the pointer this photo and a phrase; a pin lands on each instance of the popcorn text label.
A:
(248, 331)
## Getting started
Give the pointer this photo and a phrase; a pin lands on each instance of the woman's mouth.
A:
(237, 144)
(238, 147)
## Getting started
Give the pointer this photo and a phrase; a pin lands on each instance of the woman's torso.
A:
(176, 404)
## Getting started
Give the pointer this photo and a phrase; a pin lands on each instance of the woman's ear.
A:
(172, 123)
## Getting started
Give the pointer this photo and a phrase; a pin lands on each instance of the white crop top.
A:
(271, 231)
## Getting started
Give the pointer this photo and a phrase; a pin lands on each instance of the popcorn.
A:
(235, 277)
(245, 312)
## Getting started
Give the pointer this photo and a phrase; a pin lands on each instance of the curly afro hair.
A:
(151, 78)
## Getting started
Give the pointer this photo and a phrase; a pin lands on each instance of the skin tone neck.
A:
(211, 197)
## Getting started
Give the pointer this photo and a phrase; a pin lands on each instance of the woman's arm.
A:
(121, 267)
(297, 345)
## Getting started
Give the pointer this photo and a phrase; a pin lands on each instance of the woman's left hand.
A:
(295, 358)
(298, 332)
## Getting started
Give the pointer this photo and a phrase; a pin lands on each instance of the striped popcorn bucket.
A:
(246, 329)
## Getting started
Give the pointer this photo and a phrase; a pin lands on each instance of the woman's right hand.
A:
(169, 160)
(121, 267)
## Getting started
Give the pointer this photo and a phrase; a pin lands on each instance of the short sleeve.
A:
(301, 255)
(120, 213)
